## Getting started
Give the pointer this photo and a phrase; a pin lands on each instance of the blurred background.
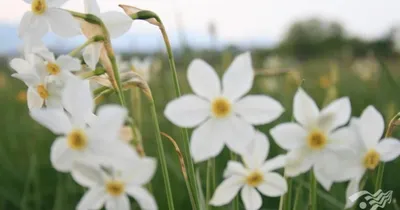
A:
(333, 48)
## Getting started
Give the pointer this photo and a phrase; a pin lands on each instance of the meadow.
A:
(29, 182)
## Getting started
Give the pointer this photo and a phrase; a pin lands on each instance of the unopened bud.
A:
(136, 13)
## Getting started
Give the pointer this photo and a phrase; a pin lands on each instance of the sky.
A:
(241, 21)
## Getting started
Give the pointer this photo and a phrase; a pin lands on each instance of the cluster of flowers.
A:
(90, 148)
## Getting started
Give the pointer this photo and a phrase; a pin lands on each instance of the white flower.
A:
(369, 150)
(41, 89)
(61, 68)
(46, 13)
(222, 114)
(111, 186)
(316, 139)
(77, 140)
(255, 175)
(142, 67)
(117, 24)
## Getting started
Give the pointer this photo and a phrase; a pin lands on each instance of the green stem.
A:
(297, 197)
(285, 200)
(208, 183)
(161, 155)
(381, 167)
(236, 200)
(96, 72)
(313, 192)
(88, 42)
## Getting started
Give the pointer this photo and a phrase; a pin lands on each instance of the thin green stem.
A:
(297, 197)
(313, 192)
(162, 158)
(381, 167)
(208, 183)
(285, 200)
(236, 200)
(88, 42)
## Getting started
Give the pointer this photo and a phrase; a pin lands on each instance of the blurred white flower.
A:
(316, 139)
(254, 175)
(117, 24)
(222, 114)
(112, 185)
(369, 150)
(142, 67)
(61, 68)
(77, 140)
(45, 14)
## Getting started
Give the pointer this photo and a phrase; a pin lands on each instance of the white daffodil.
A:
(61, 68)
(316, 139)
(77, 140)
(41, 89)
(369, 150)
(222, 114)
(142, 67)
(111, 185)
(117, 24)
(45, 13)
(253, 178)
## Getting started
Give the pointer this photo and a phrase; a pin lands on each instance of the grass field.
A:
(27, 180)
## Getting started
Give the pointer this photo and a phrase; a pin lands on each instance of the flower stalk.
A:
(313, 192)
(94, 39)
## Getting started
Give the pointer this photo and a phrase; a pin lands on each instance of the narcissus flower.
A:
(61, 68)
(369, 150)
(316, 139)
(221, 112)
(45, 13)
(253, 178)
(77, 140)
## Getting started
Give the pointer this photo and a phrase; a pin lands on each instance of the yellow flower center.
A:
(254, 179)
(316, 140)
(53, 68)
(77, 139)
(115, 187)
(39, 6)
(42, 91)
(221, 107)
(371, 159)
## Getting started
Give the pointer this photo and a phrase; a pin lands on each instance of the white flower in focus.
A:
(316, 139)
(117, 24)
(369, 150)
(253, 178)
(113, 185)
(219, 111)
(77, 140)
(45, 13)
(61, 68)
(42, 90)
(142, 67)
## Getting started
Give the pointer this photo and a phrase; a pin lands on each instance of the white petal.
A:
(187, 111)
(91, 54)
(335, 114)
(352, 188)
(93, 199)
(388, 149)
(322, 178)
(68, 63)
(118, 203)
(203, 79)
(34, 100)
(236, 133)
(274, 163)
(78, 100)
(142, 197)
(234, 168)
(21, 66)
(61, 156)
(62, 23)
(91, 7)
(34, 26)
(109, 121)
(289, 135)
(140, 171)
(299, 161)
(274, 185)
(117, 23)
(54, 119)
(343, 139)
(238, 78)
(29, 79)
(55, 3)
(113, 152)
(305, 110)
(258, 109)
(87, 175)
(24, 25)
(257, 151)
(371, 126)
(251, 198)
(227, 190)
(204, 143)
